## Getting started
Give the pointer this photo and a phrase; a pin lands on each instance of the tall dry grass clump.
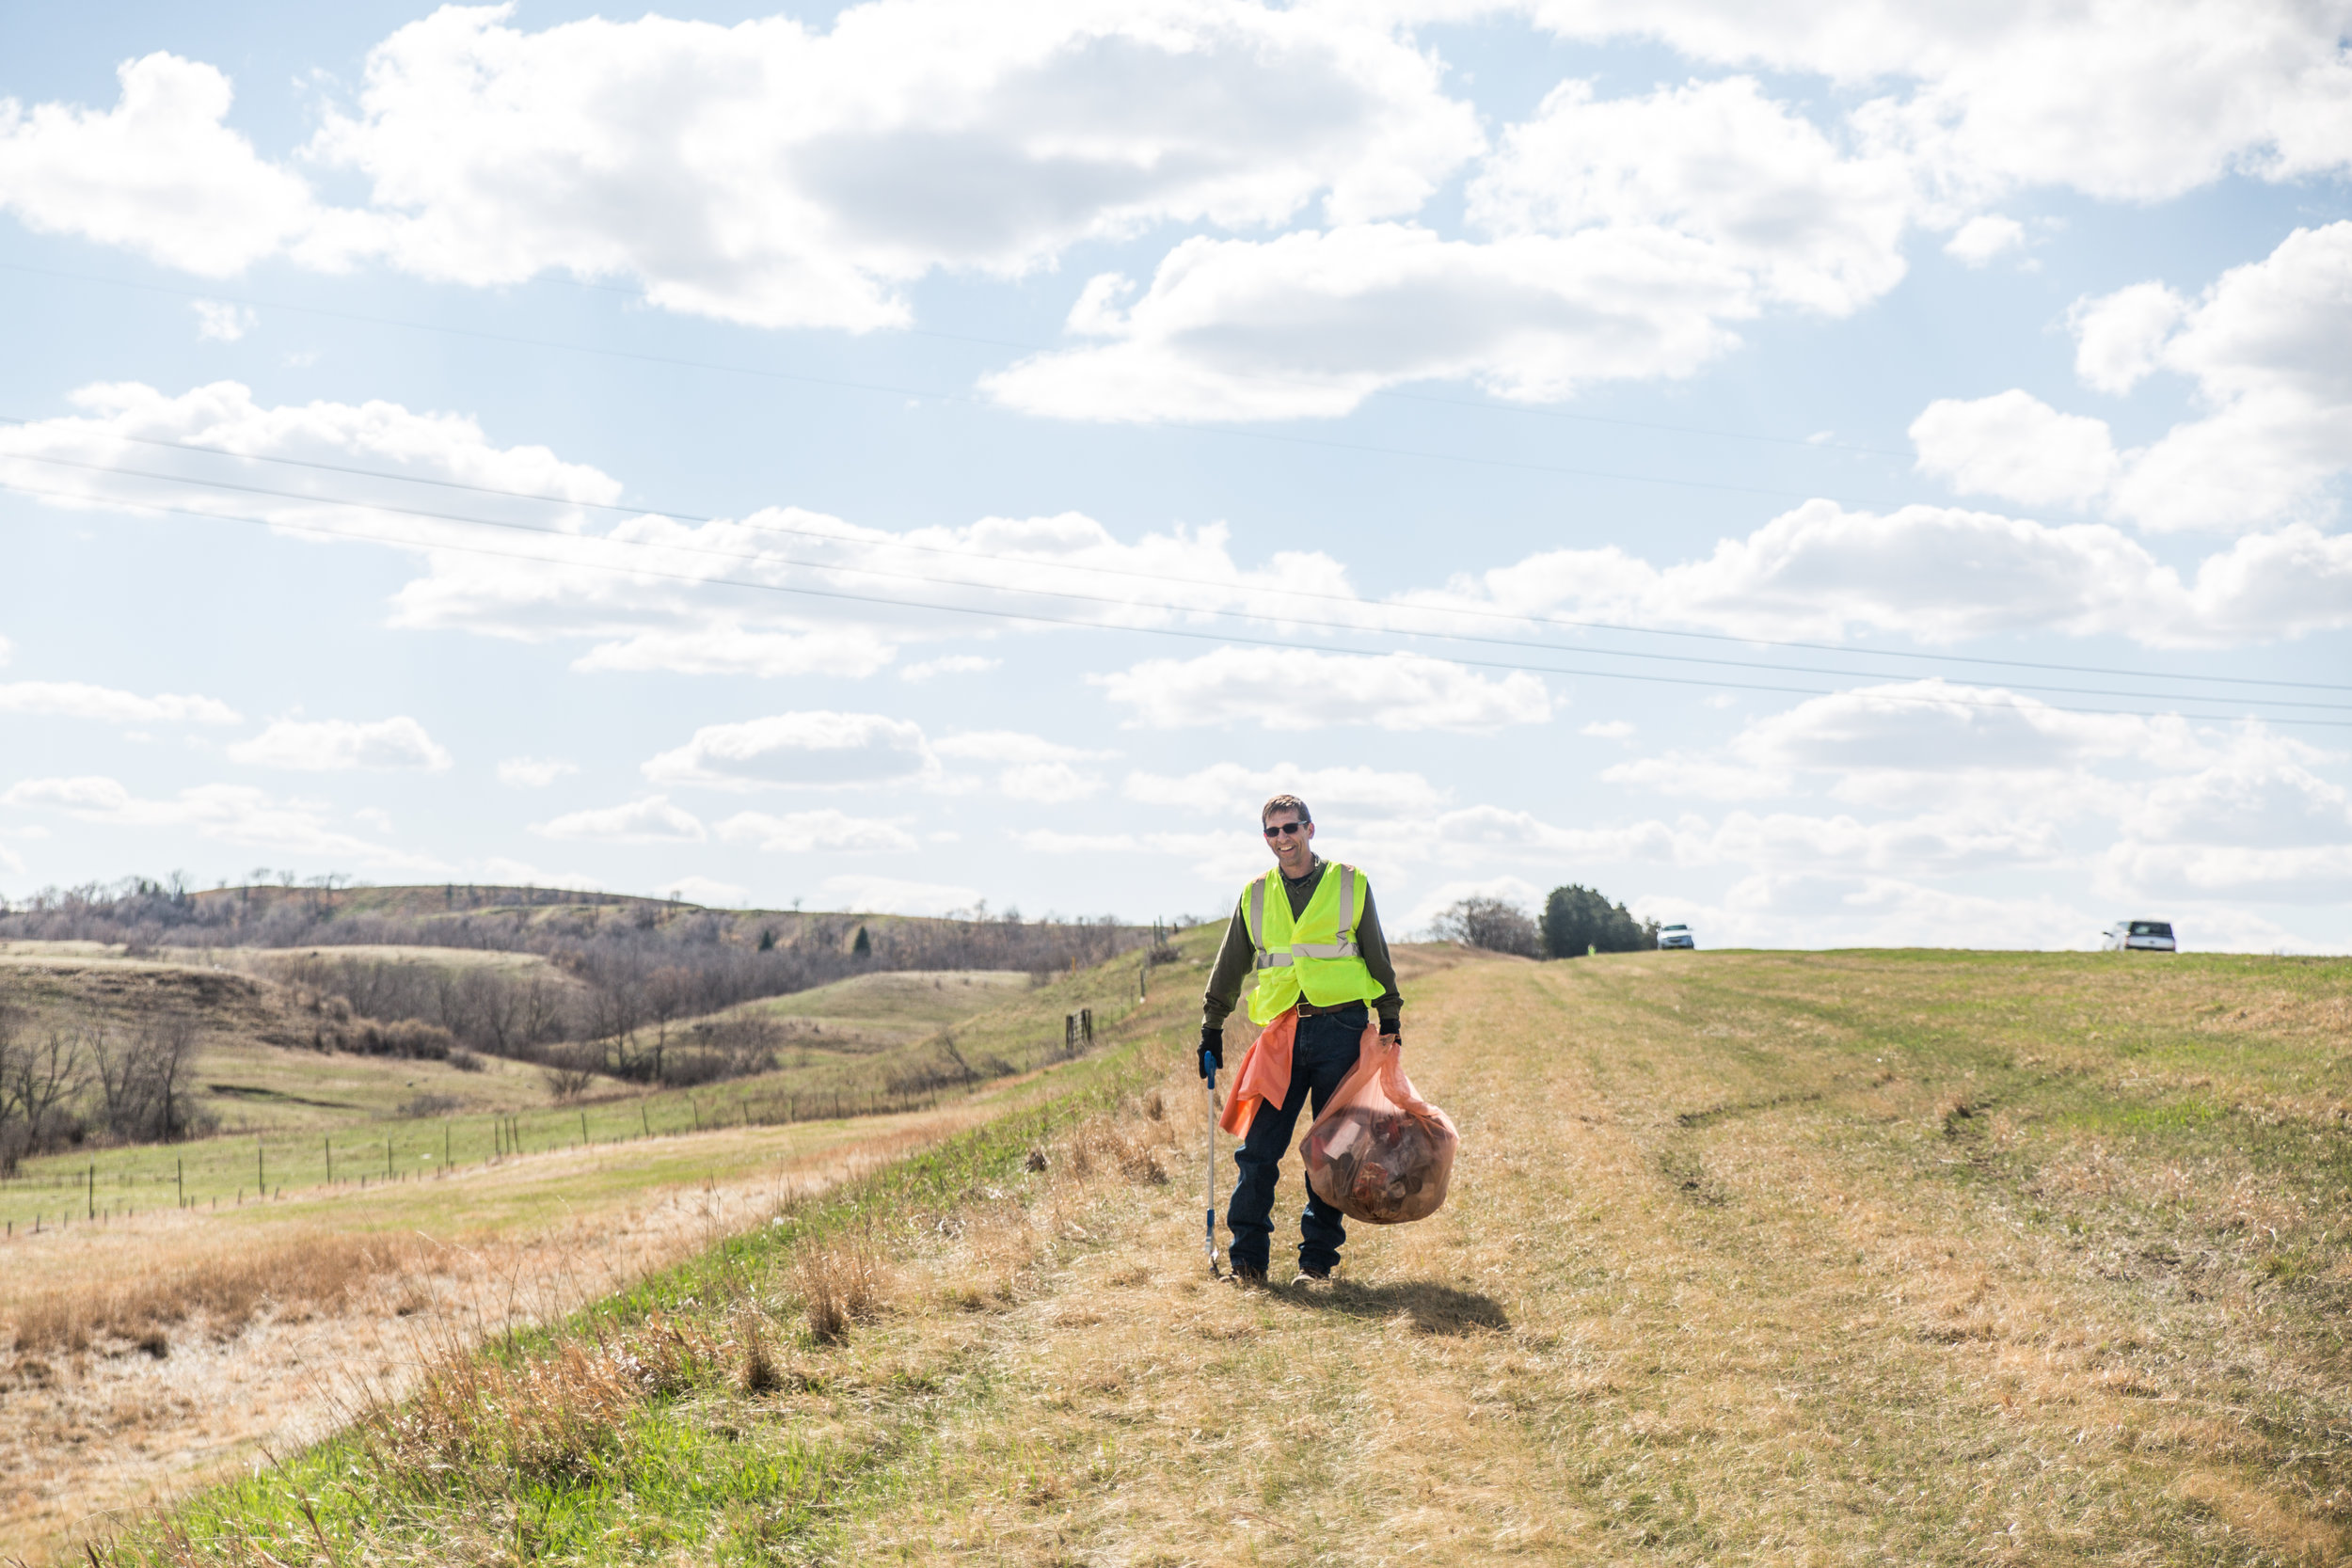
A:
(1137, 1151)
(560, 1419)
(228, 1290)
(840, 1284)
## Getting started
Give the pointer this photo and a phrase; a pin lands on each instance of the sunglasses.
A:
(1279, 829)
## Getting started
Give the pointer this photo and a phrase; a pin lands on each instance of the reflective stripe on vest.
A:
(1344, 948)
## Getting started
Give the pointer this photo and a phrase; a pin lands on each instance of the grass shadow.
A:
(1434, 1309)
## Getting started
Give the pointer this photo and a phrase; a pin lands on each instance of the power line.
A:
(1221, 637)
(1558, 622)
(740, 557)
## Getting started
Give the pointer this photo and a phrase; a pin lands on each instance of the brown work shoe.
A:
(1243, 1274)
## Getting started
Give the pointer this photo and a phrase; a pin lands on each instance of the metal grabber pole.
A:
(1208, 1215)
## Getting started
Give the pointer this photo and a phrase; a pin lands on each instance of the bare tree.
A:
(1493, 924)
(43, 1071)
(568, 1078)
(143, 1076)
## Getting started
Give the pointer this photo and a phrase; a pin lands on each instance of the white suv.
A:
(1676, 935)
(2139, 936)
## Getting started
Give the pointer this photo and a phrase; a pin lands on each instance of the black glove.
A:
(1212, 1049)
(1392, 1035)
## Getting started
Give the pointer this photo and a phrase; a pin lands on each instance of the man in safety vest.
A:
(1308, 931)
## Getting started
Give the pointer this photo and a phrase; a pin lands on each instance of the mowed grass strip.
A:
(1772, 1257)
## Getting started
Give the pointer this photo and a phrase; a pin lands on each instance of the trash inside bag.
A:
(1379, 1152)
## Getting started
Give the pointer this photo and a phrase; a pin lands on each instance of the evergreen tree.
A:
(1578, 920)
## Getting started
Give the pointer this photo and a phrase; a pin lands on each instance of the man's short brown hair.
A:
(1286, 802)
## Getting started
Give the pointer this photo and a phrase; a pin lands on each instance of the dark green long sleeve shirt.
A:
(1234, 958)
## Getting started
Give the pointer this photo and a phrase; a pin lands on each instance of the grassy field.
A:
(872, 1011)
(303, 1114)
(158, 1345)
(1776, 1258)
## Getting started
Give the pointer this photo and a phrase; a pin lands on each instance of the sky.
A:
(1837, 473)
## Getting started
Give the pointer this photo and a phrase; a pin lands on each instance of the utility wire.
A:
(740, 558)
(1232, 638)
(1560, 622)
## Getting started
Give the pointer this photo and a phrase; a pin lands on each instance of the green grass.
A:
(668, 1479)
(301, 1112)
(892, 1007)
(1919, 1256)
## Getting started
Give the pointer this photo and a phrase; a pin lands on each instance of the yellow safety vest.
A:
(1316, 954)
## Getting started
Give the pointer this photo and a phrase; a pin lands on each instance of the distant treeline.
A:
(626, 989)
(1576, 921)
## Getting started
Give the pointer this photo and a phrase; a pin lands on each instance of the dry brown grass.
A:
(840, 1283)
(1714, 1284)
(1670, 1314)
(223, 1291)
(312, 1333)
(557, 1418)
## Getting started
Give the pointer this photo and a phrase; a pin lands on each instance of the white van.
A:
(1676, 935)
(2139, 936)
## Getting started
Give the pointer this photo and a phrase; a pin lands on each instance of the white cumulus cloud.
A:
(1935, 574)
(1757, 184)
(812, 750)
(948, 664)
(1985, 237)
(2269, 349)
(1041, 770)
(218, 323)
(1988, 780)
(895, 896)
(2129, 102)
(334, 745)
(726, 648)
(1047, 782)
(1231, 788)
(651, 820)
(515, 872)
(2119, 337)
(2015, 446)
(160, 173)
(767, 172)
(1308, 325)
(123, 448)
(229, 814)
(804, 832)
(705, 889)
(533, 773)
(1312, 690)
(1009, 746)
(77, 699)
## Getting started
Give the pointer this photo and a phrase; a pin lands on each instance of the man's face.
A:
(1288, 837)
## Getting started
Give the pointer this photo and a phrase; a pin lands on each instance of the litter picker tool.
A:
(1208, 1215)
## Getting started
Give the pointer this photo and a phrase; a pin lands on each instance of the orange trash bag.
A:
(1379, 1152)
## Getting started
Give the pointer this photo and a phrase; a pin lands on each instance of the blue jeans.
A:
(1326, 1049)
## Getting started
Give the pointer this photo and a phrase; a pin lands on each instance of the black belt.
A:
(1307, 1009)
